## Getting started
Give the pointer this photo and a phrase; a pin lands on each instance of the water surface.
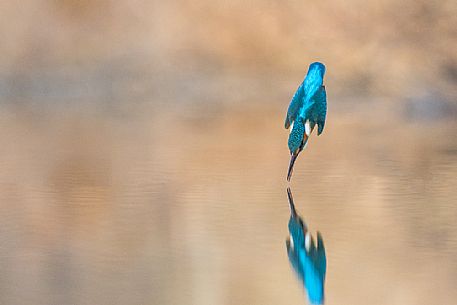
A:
(190, 207)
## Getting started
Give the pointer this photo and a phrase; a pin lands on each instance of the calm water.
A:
(173, 208)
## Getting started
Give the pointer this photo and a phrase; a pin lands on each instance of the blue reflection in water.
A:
(308, 261)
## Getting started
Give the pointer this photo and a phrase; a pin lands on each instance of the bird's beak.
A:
(293, 212)
(293, 157)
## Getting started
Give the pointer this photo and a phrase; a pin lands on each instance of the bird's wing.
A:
(305, 110)
(294, 260)
(320, 99)
(295, 104)
(321, 257)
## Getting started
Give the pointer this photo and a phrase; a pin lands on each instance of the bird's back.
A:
(304, 98)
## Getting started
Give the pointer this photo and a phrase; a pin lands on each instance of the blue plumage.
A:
(307, 260)
(296, 136)
(307, 109)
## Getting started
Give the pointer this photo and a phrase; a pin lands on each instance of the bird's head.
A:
(297, 140)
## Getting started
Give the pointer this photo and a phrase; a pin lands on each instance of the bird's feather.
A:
(294, 260)
(313, 280)
(307, 128)
(295, 104)
(321, 109)
(321, 257)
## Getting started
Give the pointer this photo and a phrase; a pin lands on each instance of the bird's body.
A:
(308, 261)
(307, 109)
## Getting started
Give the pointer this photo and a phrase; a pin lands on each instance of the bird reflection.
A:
(308, 261)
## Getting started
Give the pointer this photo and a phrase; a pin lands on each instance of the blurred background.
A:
(144, 158)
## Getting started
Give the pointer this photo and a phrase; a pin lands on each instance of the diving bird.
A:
(307, 108)
(308, 261)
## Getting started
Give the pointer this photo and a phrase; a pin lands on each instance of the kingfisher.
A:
(308, 261)
(307, 108)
